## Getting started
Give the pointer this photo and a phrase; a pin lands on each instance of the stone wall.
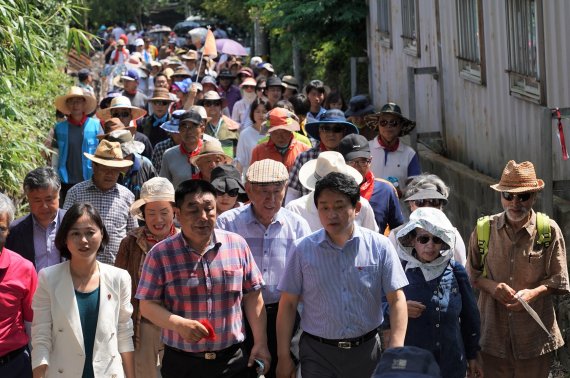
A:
(471, 197)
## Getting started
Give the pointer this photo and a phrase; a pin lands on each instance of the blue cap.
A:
(130, 75)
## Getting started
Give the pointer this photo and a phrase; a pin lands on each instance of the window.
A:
(470, 40)
(525, 42)
(384, 23)
(410, 27)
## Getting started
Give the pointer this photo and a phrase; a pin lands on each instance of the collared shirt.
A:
(113, 206)
(268, 150)
(209, 286)
(176, 167)
(140, 172)
(341, 288)
(17, 287)
(305, 207)
(314, 118)
(158, 152)
(401, 164)
(270, 245)
(45, 250)
(302, 158)
(518, 261)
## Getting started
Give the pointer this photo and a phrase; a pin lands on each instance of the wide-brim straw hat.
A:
(211, 148)
(121, 102)
(109, 154)
(154, 190)
(519, 178)
(327, 162)
(61, 101)
(161, 94)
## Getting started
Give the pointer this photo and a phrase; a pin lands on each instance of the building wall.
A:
(484, 125)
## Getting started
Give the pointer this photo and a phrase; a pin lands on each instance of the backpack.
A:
(484, 232)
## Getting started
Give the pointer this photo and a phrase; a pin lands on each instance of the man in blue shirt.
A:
(270, 231)
(340, 273)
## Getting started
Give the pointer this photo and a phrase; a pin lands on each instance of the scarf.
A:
(389, 148)
(191, 153)
(117, 52)
(73, 122)
(159, 121)
(152, 240)
(367, 186)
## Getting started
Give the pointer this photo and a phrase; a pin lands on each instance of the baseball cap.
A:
(354, 146)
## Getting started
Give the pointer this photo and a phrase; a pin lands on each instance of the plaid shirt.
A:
(302, 158)
(158, 152)
(113, 206)
(209, 286)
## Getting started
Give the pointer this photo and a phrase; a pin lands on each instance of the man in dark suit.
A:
(33, 235)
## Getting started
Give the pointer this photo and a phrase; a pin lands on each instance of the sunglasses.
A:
(207, 104)
(120, 114)
(391, 123)
(431, 202)
(163, 103)
(424, 239)
(231, 193)
(332, 128)
(523, 197)
(187, 126)
(362, 163)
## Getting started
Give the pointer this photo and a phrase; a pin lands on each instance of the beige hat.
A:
(109, 154)
(211, 148)
(202, 111)
(160, 94)
(327, 162)
(267, 171)
(61, 101)
(519, 178)
(212, 96)
(190, 55)
(168, 72)
(120, 102)
(113, 124)
(154, 190)
(128, 143)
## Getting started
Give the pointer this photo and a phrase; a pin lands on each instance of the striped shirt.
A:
(209, 286)
(113, 206)
(159, 151)
(342, 288)
(270, 245)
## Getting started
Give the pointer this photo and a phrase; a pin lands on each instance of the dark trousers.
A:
(63, 193)
(178, 364)
(271, 338)
(18, 366)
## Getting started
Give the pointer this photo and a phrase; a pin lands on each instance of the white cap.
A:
(139, 42)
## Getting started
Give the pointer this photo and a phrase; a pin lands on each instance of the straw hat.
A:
(211, 148)
(109, 154)
(114, 124)
(121, 102)
(154, 190)
(61, 101)
(160, 94)
(327, 162)
(519, 178)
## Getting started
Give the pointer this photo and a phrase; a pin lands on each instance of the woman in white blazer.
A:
(82, 323)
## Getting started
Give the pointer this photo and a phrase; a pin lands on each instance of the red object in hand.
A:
(211, 333)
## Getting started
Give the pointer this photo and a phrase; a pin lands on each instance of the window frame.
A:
(470, 69)
(385, 35)
(411, 42)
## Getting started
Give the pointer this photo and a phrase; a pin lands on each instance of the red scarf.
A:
(73, 122)
(121, 51)
(389, 148)
(152, 240)
(367, 187)
(322, 147)
(191, 153)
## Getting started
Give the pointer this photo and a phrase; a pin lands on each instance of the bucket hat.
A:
(212, 96)
(372, 120)
(190, 55)
(209, 80)
(210, 148)
(327, 162)
(73, 92)
(181, 73)
(226, 177)
(128, 143)
(290, 82)
(154, 190)
(359, 106)
(120, 102)
(160, 94)
(109, 154)
(519, 178)
(354, 146)
(330, 116)
(171, 126)
(274, 81)
(267, 171)
(281, 119)
(114, 124)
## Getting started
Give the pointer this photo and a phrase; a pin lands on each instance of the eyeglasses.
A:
(211, 103)
(163, 103)
(431, 202)
(231, 193)
(332, 128)
(523, 197)
(120, 114)
(187, 126)
(391, 123)
(362, 163)
(424, 239)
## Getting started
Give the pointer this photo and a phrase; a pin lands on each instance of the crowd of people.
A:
(210, 218)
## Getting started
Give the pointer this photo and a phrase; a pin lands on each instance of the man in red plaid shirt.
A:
(193, 286)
